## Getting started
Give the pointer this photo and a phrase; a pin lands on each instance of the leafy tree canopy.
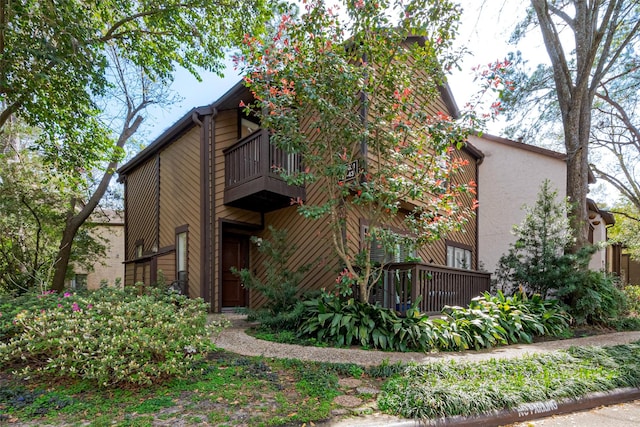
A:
(68, 67)
(627, 228)
(55, 59)
(589, 46)
(360, 85)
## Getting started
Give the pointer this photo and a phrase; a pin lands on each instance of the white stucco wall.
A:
(508, 178)
(599, 259)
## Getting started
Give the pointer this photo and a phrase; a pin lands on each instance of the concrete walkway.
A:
(235, 339)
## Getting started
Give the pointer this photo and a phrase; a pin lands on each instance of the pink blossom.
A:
(66, 295)
(75, 307)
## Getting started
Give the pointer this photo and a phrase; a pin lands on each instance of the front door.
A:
(235, 253)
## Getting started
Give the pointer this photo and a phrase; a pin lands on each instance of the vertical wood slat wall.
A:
(142, 216)
(180, 200)
(436, 286)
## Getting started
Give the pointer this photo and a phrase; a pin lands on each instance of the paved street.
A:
(623, 415)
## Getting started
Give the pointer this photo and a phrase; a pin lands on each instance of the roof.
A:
(607, 216)
(105, 216)
(227, 101)
(591, 178)
(523, 146)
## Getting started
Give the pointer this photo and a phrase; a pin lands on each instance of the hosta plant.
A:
(488, 321)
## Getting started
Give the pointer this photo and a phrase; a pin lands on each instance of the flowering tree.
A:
(354, 91)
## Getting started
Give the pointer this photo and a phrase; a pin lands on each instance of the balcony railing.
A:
(437, 285)
(253, 168)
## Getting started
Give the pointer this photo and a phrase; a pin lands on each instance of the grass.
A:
(231, 390)
(443, 389)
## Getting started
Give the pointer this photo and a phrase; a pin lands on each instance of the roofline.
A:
(523, 146)
(607, 216)
(185, 123)
(168, 136)
(449, 100)
(474, 151)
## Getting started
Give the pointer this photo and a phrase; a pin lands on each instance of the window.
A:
(181, 251)
(79, 282)
(139, 250)
(458, 256)
(247, 127)
(402, 250)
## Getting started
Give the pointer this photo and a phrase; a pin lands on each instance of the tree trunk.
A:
(577, 187)
(74, 222)
(577, 129)
(575, 98)
(64, 252)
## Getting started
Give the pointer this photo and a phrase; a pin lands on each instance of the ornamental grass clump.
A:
(448, 388)
(108, 336)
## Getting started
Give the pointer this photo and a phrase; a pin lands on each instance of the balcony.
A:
(438, 285)
(252, 178)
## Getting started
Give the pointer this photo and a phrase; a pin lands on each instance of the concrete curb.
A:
(532, 411)
(525, 412)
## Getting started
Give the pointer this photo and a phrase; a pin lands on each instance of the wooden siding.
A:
(469, 234)
(129, 277)
(180, 200)
(312, 238)
(142, 210)
(167, 264)
(225, 134)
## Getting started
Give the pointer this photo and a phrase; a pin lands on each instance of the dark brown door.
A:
(235, 253)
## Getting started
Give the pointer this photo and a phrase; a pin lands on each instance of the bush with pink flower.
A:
(109, 336)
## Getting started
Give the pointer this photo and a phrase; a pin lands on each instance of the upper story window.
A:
(247, 127)
(181, 250)
(458, 255)
(402, 250)
(139, 249)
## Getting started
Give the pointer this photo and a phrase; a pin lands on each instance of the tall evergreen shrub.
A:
(537, 262)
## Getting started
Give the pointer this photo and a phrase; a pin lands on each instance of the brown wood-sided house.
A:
(195, 196)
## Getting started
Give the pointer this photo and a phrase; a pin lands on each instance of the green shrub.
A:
(593, 297)
(347, 322)
(279, 285)
(633, 298)
(487, 322)
(498, 320)
(536, 261)
(449, 388)
(108, 336)
(280, 321)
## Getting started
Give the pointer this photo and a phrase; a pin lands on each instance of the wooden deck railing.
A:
(438, 286)
(254, 157)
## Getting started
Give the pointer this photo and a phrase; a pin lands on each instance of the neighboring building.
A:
(599, 222)
(510, 176)
(195, 196)
(629, 270)
(108, 226)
